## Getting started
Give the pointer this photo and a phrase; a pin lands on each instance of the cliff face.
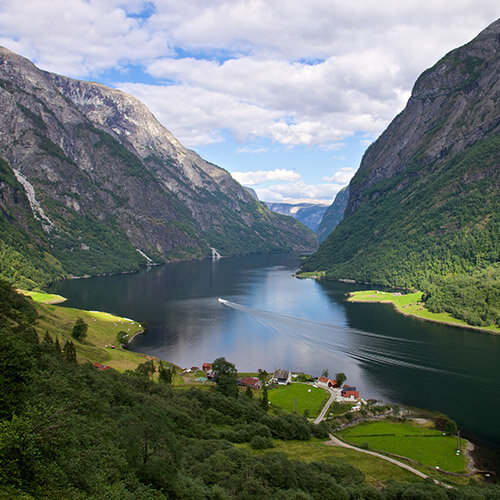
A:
(425, 200)
(109, 188)
(333, 214)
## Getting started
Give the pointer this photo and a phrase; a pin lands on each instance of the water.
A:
(269, 320)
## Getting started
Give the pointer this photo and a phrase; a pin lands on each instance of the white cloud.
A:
(299, 192)
(341, 176)
(295, 72)
(260, 176)
(248, 149)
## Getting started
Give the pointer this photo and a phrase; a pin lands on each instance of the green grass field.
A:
(43, 298)
(308, 398)
(377, 471)
(411, 304)
(423, 444)
(102, 331)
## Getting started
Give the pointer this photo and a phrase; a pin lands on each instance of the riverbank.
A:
(410, 304)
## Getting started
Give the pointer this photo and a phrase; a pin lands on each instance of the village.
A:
(305, 391)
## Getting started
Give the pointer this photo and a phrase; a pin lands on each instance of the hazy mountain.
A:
(92, 183)
(333, 214)
(308, 213)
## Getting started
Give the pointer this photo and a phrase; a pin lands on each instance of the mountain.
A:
(92, 183)
(308, 213)
(425, 201)
(333, 214)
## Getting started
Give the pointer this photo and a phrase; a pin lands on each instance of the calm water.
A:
(274, 320)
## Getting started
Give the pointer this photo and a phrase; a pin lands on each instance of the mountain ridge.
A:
(116, 188)
(424, 205)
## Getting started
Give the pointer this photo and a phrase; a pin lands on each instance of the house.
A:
(195, 368)
(282, 377)
(206, 367)
(102, 367)
(326, 382)
(349, 392)
(323, 382)
(252, 382)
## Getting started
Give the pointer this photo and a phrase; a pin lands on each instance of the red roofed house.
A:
(323, 382)
(252, 382)
(349, 392)
(102, 367)
(206, 367)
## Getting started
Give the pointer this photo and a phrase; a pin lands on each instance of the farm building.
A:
(252, 382)
(282, 377)
(349, 392)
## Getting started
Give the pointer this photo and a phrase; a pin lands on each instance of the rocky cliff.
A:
(93, 183)
(333, 214)
(425, 200)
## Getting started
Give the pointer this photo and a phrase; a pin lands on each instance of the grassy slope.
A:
(284, 395)
(102, 331)
(423, 444)
(410, 304)
(376, 470)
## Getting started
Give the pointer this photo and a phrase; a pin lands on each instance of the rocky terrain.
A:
(92, 183)
(308, 213)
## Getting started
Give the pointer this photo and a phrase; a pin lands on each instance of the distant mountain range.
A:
(92, 183)
(308, 213)
(425, 202)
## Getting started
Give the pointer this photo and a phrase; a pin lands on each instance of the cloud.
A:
(299, 192)
(260, 176)
(297, 73)
(341, 176)
(248, 149)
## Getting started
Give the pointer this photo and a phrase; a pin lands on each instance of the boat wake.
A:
(343, 340)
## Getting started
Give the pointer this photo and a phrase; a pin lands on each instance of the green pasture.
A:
(307, 397)
(423, 444)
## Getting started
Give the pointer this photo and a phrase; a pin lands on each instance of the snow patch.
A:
(36, 208)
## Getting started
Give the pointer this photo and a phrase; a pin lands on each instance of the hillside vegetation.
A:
(70, 431)
(424, 206)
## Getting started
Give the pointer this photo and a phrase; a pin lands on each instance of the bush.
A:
(79, 331)
(261, 443)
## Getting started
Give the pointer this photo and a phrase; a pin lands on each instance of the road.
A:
(321, 416)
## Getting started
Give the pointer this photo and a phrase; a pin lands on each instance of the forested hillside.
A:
(70, 431)
(425, 204)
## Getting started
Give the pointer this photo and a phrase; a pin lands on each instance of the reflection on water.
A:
(272, 320)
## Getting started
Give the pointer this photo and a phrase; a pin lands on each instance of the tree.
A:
(249, 392)
(165, 374)
(340, 378)
(147, 369)
(79, 331)
(225, 377)
(325, 373)
(263, 375)
(450, 427)
(264, 402)
(69, 352)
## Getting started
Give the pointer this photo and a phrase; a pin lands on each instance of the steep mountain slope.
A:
(308, 213)
(333, 214)
(93, 183)
(425, 200)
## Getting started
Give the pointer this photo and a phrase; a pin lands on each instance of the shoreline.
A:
(351, 297)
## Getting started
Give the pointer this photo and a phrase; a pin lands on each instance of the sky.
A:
(284, 94)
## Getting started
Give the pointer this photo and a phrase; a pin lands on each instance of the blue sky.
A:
(284, 94)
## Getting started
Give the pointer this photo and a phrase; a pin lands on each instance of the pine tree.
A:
(69, 352)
